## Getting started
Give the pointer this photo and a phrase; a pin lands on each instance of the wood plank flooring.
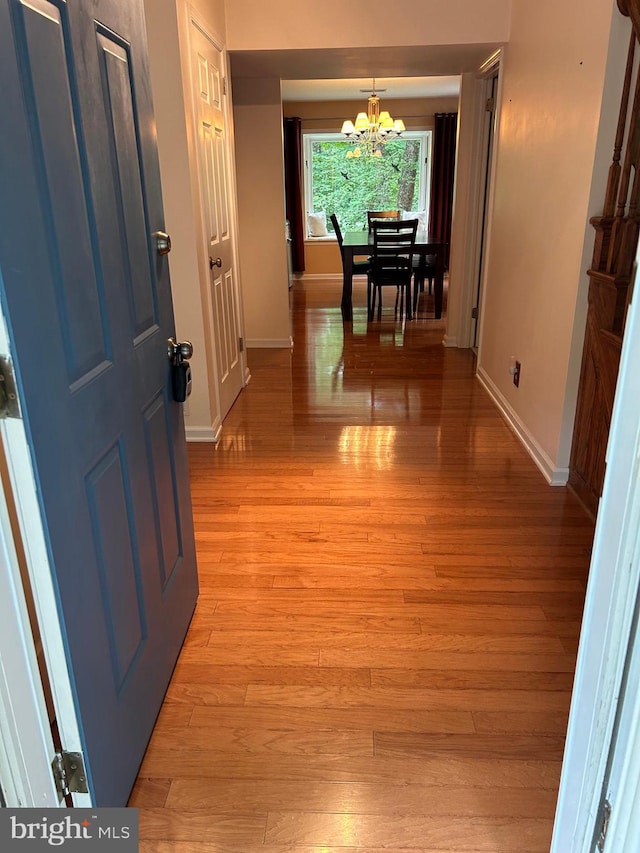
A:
(382, 654)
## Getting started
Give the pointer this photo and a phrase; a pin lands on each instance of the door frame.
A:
(26, 742)
(192, 18)
(624, 824)
(471, 169)
(606, 634)
(35, 723)
(490, 82)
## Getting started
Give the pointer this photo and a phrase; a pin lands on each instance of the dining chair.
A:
(372, 215)
(362, 267)
(392, 263)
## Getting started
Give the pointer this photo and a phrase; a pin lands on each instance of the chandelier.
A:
(373, 129)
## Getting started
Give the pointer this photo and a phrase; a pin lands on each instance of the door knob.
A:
(178, 352)
(163, 242)
(216, 263)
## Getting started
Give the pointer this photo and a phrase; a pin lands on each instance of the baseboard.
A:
(203, 434)
(324, 276)
(317, 276)
(554, 476)
(450, 341)
(269, 343)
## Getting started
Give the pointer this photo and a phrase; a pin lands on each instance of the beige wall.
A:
(327, 116)
(540, 243)
(322, 258)
(279, 24)
(261, 212)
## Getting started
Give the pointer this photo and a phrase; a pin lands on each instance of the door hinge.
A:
(474, 313)
(9, 406)
(606, 816)
(490, 105)
(69, 773)
(241, 344)
(224, 85)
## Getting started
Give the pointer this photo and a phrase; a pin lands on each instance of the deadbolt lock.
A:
(163, 242)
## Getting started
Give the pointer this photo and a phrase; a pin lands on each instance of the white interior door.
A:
(213, 170)
(608, 623)
(622, 788)
(26, 743)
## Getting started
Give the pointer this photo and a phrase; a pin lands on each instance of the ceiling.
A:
(353, 89)
(340, 73)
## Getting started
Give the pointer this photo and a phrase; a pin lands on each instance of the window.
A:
(349, 187)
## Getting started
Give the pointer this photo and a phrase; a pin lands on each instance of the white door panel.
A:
(223, 307)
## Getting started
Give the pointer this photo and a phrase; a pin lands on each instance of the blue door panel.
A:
(88, 306)
(117, 85)
(79, 308)
(163, 475)
(110, 506)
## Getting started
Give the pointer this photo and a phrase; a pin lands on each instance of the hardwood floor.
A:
(383, 650)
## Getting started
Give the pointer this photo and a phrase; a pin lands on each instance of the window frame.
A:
(425, 138)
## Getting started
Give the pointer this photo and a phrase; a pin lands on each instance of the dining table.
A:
(361, 243)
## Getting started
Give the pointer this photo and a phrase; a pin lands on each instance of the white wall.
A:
(540, 242)
(261, 212)
(279, 24)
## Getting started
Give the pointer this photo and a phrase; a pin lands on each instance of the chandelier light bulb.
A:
(373, 129)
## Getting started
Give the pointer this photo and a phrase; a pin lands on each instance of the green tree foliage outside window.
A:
(349, 187)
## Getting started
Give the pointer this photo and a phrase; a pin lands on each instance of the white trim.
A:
(232, 186)
(26, 744)
(269, 343)
(331, 276)
(495, 69)
(554, 476)
(203, 434)
(450, 341)
(624, 828)
(23, 485)
(466, 238)
(607, 620)
(479, 241)
(491, 64)
(316, 276)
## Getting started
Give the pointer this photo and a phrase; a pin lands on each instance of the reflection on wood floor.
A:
(383, 650)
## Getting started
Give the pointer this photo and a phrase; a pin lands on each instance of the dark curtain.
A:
(442, 174)
(293, 189)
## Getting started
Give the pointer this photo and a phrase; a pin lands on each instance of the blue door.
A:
(87, 298)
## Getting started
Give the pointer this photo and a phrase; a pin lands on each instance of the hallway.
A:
(382, 654)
